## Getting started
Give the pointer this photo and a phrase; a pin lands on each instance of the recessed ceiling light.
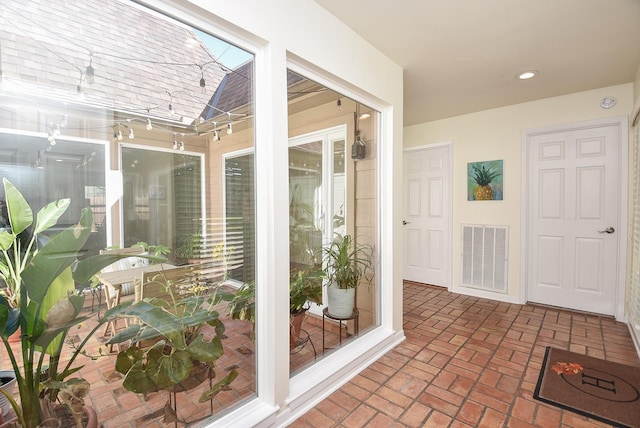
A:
(607, 102)
(526, 75)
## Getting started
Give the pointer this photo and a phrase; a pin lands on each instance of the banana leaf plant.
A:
(40, 300)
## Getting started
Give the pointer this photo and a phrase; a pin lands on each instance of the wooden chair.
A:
(177, 281)
(113, 297)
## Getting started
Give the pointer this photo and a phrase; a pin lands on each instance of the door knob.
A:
(404, 222)
(607, 230)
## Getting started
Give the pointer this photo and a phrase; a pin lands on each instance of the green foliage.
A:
(178, 346)
(348, 262)
(305, 286)
(157, 250)
(483, 175)
(41, 299)
(190, 247)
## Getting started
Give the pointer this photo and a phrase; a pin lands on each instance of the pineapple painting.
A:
(484, 181)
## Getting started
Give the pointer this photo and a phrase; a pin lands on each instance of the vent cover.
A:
(484, 257)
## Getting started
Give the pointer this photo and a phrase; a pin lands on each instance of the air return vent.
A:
(484, 257)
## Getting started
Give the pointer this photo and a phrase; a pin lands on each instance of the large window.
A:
(333, 197)
(131, 113)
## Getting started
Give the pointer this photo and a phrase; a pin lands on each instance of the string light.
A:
(119, 134)
(216, 136)
(181, 142)
(229, 127)
(339, 104)
(175, 142)
(149, 125)
(203, 83)
(89, 74)
(171, 110)
(131, 136)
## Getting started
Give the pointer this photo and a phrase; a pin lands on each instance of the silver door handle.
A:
(404, 222)
(607, 230)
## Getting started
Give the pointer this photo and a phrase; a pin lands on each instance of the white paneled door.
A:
(573, 205)
(427, 234)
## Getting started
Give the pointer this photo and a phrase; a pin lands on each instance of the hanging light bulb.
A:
(119, 134)
(175, 142)
(131, 136)
(203, 83)
(216, 136)
(171, 110)
(229, 126)
(181, 142)
(89, 74)
(339, 104)
(149, 125)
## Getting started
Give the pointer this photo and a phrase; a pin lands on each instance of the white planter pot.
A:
(340, 301)
(9, 387)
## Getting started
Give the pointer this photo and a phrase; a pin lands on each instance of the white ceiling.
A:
(462, 56)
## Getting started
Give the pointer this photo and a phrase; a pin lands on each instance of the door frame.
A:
(622, 123)
(448, 263)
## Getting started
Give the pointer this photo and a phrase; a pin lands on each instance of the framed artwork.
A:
(484, 181)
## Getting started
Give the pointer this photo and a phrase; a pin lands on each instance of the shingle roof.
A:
(139, 58)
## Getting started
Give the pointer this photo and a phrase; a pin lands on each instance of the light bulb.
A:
(149, 125)
(182, 146)
(171, 111)
(175, 142)
(89, 75)
(131, 133)
(339, 104)
(119, 135)
(229, 129)
(216, 136)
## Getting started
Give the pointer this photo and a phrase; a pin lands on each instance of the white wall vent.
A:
(484, 257)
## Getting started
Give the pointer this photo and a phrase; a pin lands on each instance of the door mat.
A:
(602, 390)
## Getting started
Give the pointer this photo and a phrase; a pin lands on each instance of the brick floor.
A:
(470, 362)
(467, 362)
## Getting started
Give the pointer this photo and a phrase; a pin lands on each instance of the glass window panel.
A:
(332, 195)
(133, 114)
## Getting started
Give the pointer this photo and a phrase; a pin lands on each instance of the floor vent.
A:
(484, 257)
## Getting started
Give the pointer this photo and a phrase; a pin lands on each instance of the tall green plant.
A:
(41, 300)
(347, 262)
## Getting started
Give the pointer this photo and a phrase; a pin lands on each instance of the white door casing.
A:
(574, 195)
(427, 214)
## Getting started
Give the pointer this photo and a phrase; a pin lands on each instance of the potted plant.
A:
(346, 263)
(174, 355)
(189, 249)
(305, 287)
(41, 300)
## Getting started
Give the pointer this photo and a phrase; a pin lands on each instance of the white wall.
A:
(302, 35)
(497, 134)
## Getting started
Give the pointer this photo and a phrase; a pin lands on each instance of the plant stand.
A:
(304, 338)
(354, 316)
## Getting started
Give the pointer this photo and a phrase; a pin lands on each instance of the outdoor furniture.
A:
(116, 281)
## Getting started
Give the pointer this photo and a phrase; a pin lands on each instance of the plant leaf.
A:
(49, 214)
(20, 213)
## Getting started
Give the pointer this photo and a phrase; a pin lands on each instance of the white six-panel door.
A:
(573, 203)
(427, 235)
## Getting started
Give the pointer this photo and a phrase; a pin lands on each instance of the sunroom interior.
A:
(151, 123)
